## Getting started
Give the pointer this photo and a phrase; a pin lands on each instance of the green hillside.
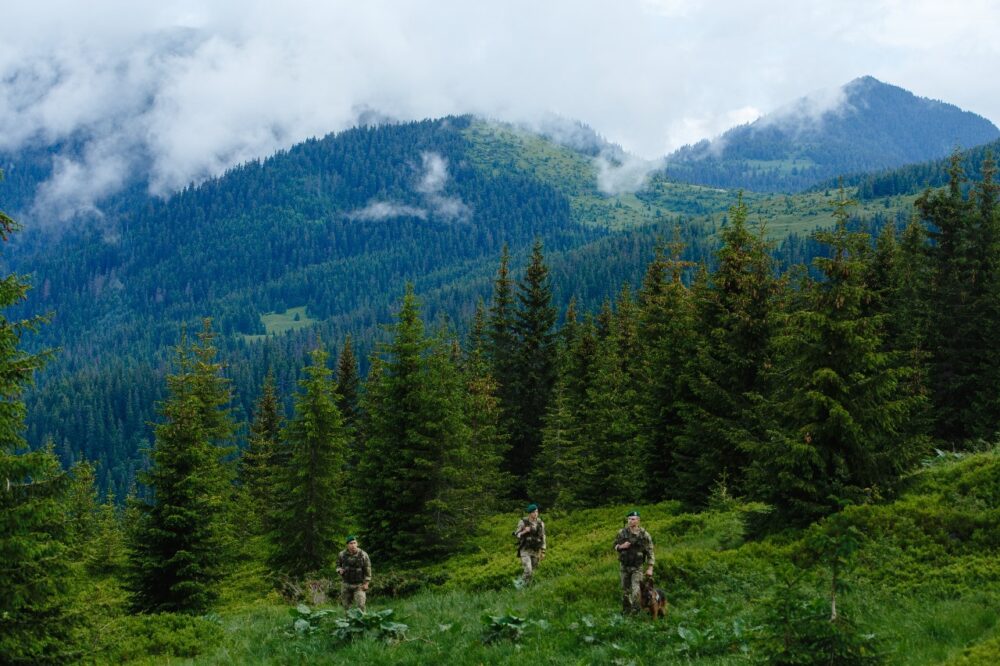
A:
(289, 233)
(920, 584)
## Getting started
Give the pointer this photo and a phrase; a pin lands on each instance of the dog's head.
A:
(649, 592)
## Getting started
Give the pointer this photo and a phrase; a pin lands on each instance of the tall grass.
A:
(925, 583)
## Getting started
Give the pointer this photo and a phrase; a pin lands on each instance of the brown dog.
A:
(652, 598)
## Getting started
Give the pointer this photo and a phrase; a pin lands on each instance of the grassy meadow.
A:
(920, 584)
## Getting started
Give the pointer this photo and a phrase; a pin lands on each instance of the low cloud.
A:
(430, 184)
(809, 111)
(621, 173)
(384, 210)
(185, 90)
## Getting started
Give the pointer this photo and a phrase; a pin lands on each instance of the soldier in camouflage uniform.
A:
(355, 571)
(635, 549)
(530, 535)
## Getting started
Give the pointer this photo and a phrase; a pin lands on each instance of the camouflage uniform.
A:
(357, 571)
(530, 545)
(632, 561)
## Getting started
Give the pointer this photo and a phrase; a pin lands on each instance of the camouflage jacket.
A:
(534, 539)
(641, 550)
(357, 567)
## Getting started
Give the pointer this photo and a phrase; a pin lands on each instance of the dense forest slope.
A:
(914, 178)
(871, 126)
(319, 240)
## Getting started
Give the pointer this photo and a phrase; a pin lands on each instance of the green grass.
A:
(925, 583)
(276, 323)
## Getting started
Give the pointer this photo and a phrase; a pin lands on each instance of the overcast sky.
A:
(183, 89)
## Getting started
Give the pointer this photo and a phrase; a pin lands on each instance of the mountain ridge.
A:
(867, 125)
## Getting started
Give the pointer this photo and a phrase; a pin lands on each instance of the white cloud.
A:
(435, 173)
(186, 89)
(384, 210)
(430, 185)
(620, 173)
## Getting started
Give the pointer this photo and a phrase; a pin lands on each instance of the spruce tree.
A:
(615, 447)
(955, 335)
(909, 314)
(560, 477)
(310, 513)
(416, 444)
(180, 543)
(81, 507)
(106, 553)
(488, 440)
(666, 327)
(500, 350)
(348, 401)
(988, 294)
(34, 567)
(535, 363)
(348, 384)
(736, 317)
(260, 461)
(840, 416)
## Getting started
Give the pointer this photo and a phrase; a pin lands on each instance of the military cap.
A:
(351, 538)
(532, 507)
(632, 513)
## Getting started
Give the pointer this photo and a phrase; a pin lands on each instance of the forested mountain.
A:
(317, 242)
(327, 232)
(871, 125)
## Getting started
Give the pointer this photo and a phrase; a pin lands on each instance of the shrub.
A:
(359, 624)
(507, 627)
(396, 583)
(163, 635)
(796, 628)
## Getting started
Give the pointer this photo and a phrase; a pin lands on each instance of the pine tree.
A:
(502, 343)
(667, 328)
(260, 461)
(81, 507)
(416, 443)
(310, 514)
(348, 393)
(954, 333)
(106, 553)
(615, 447)
(736, 320)
(488, 441)
(180, 544)
(841, 411)
(34, 574)
(535, 363)
(348, 385)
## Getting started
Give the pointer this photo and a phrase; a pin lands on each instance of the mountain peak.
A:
(863, 125)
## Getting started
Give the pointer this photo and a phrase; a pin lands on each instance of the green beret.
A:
(532, 507)
(632, 513)
(351, 538)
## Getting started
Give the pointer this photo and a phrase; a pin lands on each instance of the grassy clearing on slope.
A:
(276, 323)
(924, 582)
